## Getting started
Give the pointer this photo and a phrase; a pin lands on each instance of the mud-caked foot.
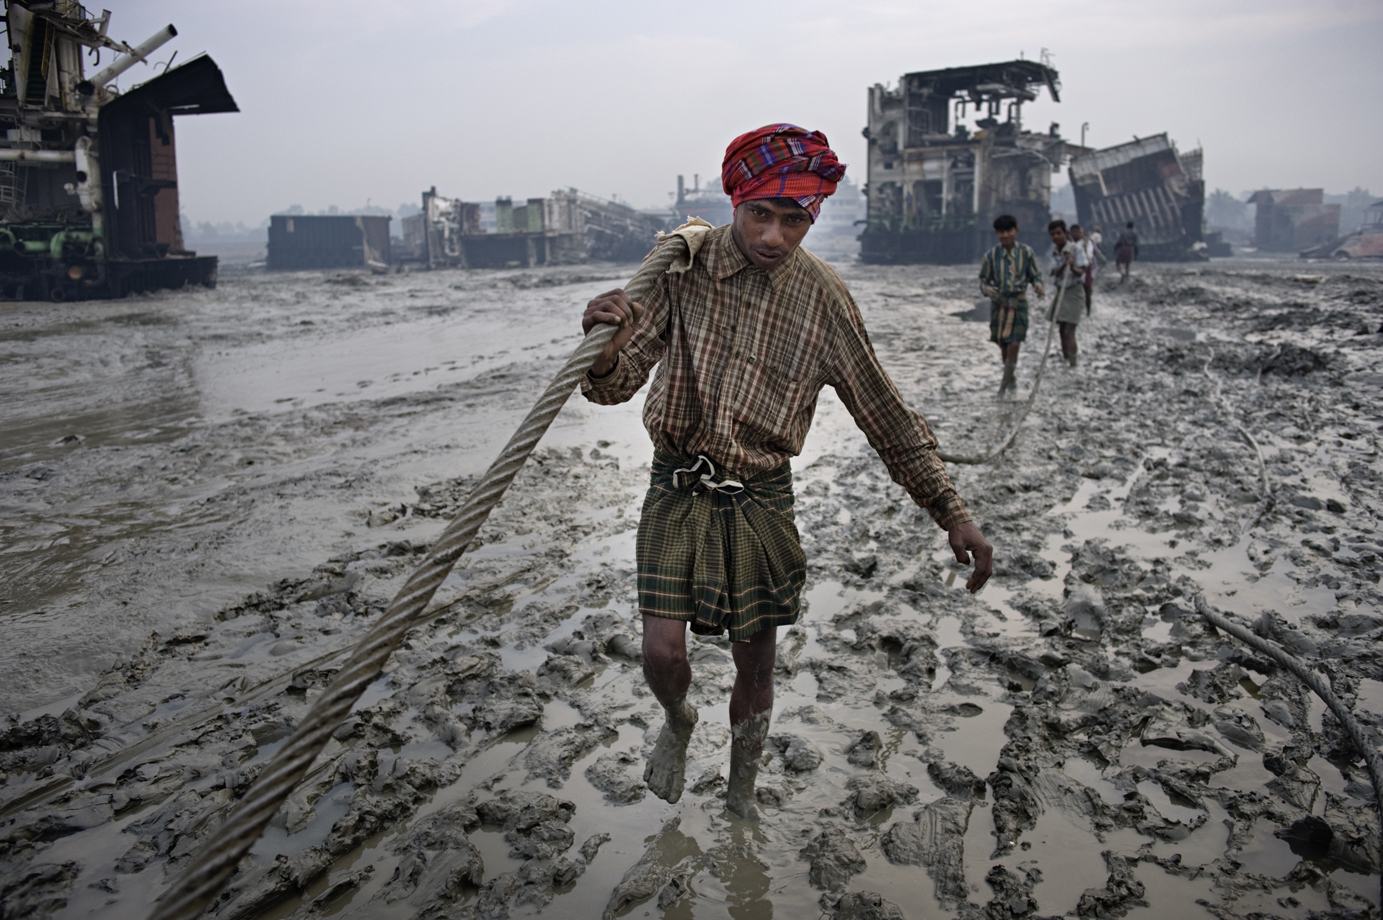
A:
(741, 801)
(746, 749)
(666, 771)
(1010, 380)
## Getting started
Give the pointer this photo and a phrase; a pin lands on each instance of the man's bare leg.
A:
(1009, 353)
(668, 674)
(751, 706)
(1067, 332)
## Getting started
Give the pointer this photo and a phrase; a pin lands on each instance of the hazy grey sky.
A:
(350, 100)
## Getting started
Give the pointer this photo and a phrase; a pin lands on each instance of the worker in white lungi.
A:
(1069, 262)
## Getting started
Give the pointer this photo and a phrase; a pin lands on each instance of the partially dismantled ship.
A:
(1145, 182)
(935, 186)
(88, 174)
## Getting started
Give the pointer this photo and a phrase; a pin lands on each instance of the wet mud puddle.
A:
(1072, 741)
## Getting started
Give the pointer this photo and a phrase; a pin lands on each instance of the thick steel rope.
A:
(1322, 689)
(221, 853)
(1037, 382)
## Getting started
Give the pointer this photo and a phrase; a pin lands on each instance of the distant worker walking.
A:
(1126, 250)
(1081, 240)
(1097, 239)
(1005, 274)
(1069, 262)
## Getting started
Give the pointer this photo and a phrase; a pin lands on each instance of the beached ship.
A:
(88, 174)
(1149, 183)
(935, 185)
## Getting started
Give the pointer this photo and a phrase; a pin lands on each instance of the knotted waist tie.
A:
(720, 553)
(707, 481)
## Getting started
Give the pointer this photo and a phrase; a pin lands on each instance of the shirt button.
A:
(752, 359)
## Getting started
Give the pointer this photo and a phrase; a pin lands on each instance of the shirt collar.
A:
(724, 259)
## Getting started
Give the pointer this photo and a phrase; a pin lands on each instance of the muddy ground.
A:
(207, 495)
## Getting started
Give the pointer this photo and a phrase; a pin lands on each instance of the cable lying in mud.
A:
(976, 459)
(222, 852)
(190, 721)
(1313, 680)
(1268, 499)
(1307, 676)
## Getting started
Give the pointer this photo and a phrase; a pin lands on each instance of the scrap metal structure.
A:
(1364, 243)
(567, 227)
(1146, 182)
(934, 187)
(88, 175)
(710, 203)
(329, 241)
(1293, 220)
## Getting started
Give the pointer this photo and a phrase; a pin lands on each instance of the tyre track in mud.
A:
(1073, 740)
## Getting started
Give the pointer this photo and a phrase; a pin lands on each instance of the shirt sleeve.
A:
(638, 357)
(901, 436)
(987, 271)
(1033, 274)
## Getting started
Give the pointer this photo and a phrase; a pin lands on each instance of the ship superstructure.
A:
(88, 174)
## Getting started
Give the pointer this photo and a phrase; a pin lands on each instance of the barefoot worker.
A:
(1068, 260)
(1005, 274)
(1125, 251)
(1086, 246)
(743, 341)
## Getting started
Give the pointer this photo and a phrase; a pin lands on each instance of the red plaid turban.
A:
(781, 161)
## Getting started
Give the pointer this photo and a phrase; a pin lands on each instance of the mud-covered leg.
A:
(1068, 342)
(1009, 353)
(668, 674)
(751, 708)
(746, 751)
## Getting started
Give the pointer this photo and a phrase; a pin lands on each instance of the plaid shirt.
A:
(744, 354)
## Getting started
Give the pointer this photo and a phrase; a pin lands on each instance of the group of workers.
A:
(1011, 267)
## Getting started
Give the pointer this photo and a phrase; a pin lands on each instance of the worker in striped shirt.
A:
(1005, 274)
(743, 340)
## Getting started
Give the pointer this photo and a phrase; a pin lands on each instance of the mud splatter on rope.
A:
(218, 857)
(1037, 382)
(1318, 686)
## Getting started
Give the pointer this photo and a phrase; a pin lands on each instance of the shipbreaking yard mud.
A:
(208, 495)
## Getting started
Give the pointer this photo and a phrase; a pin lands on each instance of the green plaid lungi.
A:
(1008, 321)
(718, 559)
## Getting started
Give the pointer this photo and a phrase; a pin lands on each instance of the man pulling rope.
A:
(744, 338)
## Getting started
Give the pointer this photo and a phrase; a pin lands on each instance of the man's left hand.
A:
(966, 539)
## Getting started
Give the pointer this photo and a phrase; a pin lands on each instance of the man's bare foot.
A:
(746, 748)
(666, 771)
